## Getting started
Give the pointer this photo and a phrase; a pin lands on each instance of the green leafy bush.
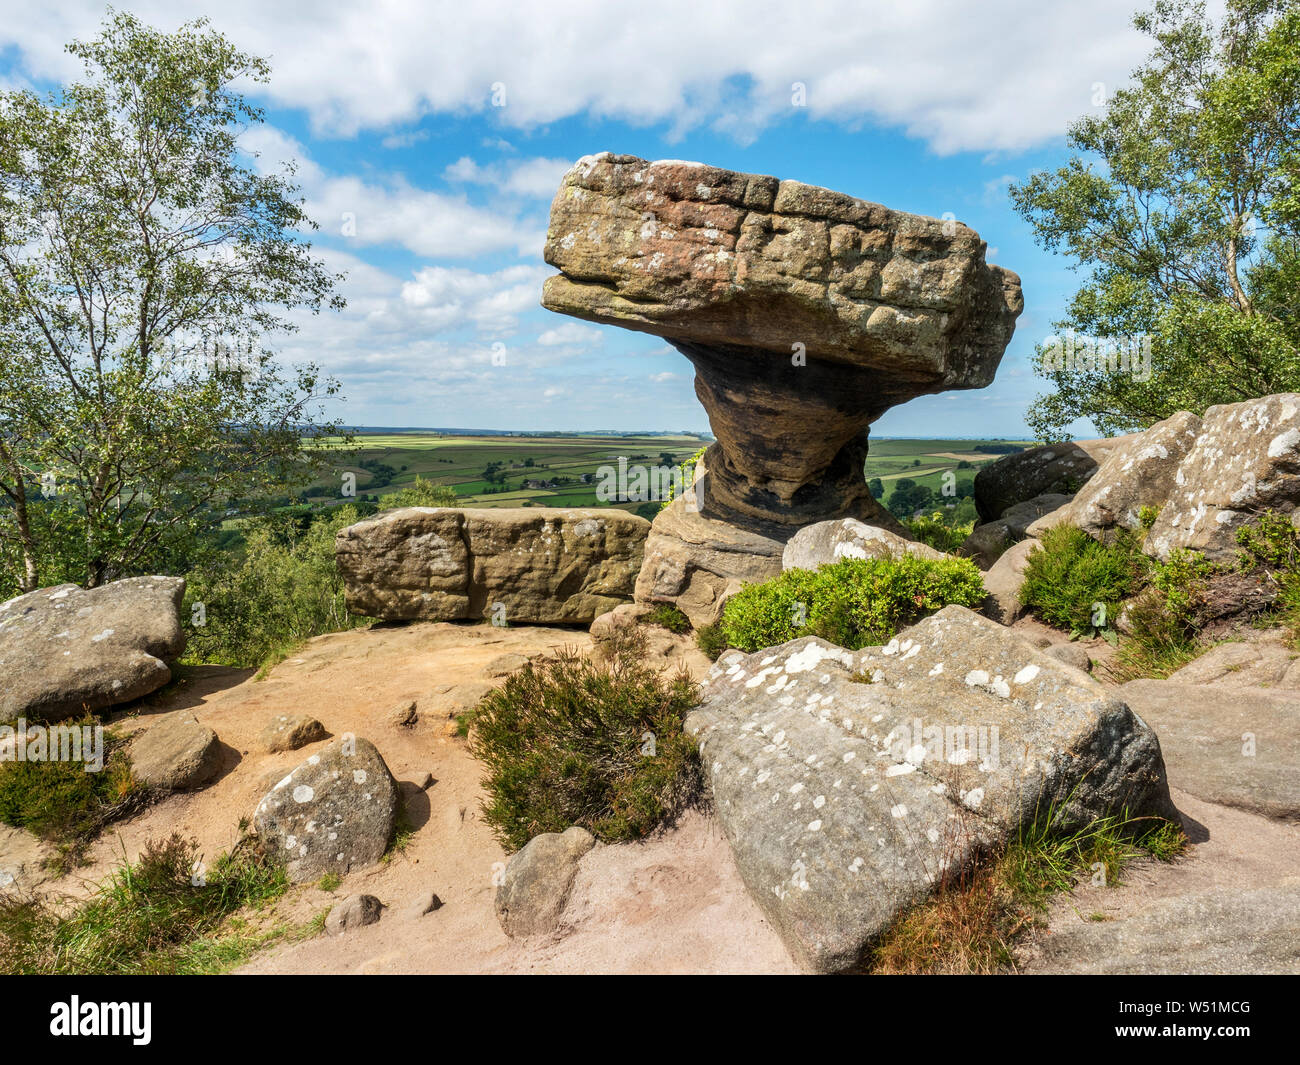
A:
(854, 602)
(1071, 574)
(284, 590)
(66, 805)
(571, 741)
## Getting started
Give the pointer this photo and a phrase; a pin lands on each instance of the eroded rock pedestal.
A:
(806, 314)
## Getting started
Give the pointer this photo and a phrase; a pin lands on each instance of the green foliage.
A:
(907, 498)
(284, 590)
(154, 917)
(938, 531)
(688, 475)
(1180, 204)
(420, 493)
(570, 741)
(669, 617)
(66, 805)
(143, 270)
(1274, 544)
(853, 603)
(711, 640)
(876, 487)
(1071, 575)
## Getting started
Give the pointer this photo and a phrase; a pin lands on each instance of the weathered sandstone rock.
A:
(288, 732)
(1229, 744)
(538, 880)
(1052, 468)
(848, 783)
(67, 650)
(806, 314)
(987, 542)
(829, 541)
(335, 812)
(1246, 459)
(522, 565)
(1004, 580)
(176, 753)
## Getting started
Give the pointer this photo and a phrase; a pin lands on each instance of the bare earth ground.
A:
(672, 904)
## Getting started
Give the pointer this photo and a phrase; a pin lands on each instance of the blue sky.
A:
(434, 201)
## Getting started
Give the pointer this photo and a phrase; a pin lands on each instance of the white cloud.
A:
(571, 334)
(536, 178)
(660, 378)
(392, 211)
(1000, 75)
(448, 298)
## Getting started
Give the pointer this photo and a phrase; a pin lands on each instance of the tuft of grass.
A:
(973, 921)
(571, 741)
(329, 882)
(62, 803)
(164, 914)
(667, 616)
(853, 603)
(403, 833)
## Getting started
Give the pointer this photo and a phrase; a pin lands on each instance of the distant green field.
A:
(461, 462)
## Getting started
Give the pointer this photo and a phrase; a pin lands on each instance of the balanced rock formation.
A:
(849, 783)
(516, 564)
(335, 812)
(805, 312)
(68, 650)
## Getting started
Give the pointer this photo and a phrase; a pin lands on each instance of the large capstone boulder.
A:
(806, 314)
(67, 650)
(850, 783)
(507, 565)
(830, 541)
(334, 813)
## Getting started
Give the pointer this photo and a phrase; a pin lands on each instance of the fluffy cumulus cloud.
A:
(997, 75)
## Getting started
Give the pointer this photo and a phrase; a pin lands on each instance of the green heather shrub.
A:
(936, 530)
(853, 603)
(711, 640)
(571, 741)
(669, 617)
(1274, 544)
(65, 805)
(158, 916)
(1071, 573)
(285, 589)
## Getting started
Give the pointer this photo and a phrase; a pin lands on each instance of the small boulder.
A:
(176, 753)
(1004, 580)
(335, 812)
(829, 541)
(988, 542)
(538, 880)
(402, 715)
(425, 903)
(289, 732)
(356, 911)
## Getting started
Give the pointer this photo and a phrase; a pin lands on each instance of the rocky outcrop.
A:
(829, 541)
(538, 879)
(515, 564)
(1226, 743)
(66, 650)
(1246, 459)
(335, 812)
(806, 314)
(176, 753)
(987, 542)
(849, 783)
(1140, 470)
(1052, 468)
